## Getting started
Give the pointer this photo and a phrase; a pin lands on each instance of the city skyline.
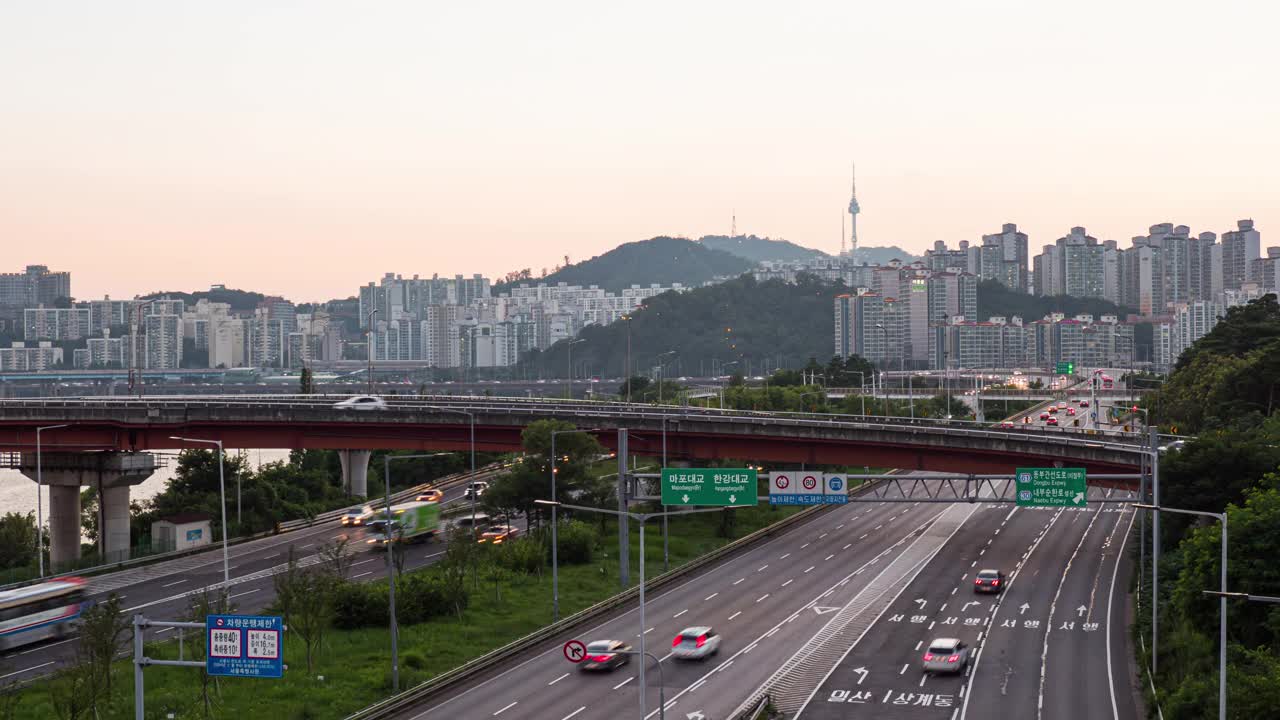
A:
(353, 142)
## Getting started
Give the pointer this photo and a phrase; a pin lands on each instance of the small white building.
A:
(181, 532)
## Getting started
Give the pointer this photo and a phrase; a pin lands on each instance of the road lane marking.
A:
(506, 708)
(788, 582)
(762, 597)
(19, 672)
(846, 547)
(553, 682)
(829, 556)
(804, 546)
(735, 615)
(917, 646)
(646, 632)
(575, 712)
(823, 535)
(762, 567)
(680, 613)
(697, 685)
(811, 567)
(624, 682)
(879, 526)
(922, 679)
(903, 671)
(774, 630)
(1115, 712)
(784, 557)
(710, 596)
(840, 526)
(246, 592)
(353, 577)
(751, 647)
(864, 536)
(175, 582)
(739, 580)
(363, 562)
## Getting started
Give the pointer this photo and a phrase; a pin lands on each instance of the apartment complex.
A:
(1002, 342)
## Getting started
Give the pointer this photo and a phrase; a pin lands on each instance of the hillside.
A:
(882, 255)
(758, 249)
(241, 301)
(662, 260)
(753, 323)
(995, 299)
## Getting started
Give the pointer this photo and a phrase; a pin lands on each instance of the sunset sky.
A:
(305, 148)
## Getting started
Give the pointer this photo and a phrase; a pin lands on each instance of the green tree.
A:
(530, 479)
(17, 540)
(306, 383)
(104, 628)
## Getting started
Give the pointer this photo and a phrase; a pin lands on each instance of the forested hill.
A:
(758, 249)
(995, 299)
(741, 319)
(662, 260)
(239, 300)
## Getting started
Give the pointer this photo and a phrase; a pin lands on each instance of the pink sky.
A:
(307, 148)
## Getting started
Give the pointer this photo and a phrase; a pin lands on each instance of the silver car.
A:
(695, 643)
(945, 655)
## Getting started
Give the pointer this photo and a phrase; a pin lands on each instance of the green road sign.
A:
(1065, 368)
(1051, 487)
(709, 486)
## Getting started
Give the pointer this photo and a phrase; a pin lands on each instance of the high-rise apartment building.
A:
(857, 319)
(163, 341)
(107, 351)
(1239, 248)
(21, 357)
(1004, 258)
(48, 323)
(34, 286)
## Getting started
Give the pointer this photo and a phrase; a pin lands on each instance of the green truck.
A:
(410, 522)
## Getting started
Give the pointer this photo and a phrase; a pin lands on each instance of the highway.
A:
(892, 576)
(163, 590)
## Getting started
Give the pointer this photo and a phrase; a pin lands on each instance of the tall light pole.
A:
(569, 392)
(884, 332)
(1222, 598)
(369, 344)
(222, 490)
(391, 568)
(39, 491)
(471, 418)
(641, 518)
(662, 372)
(862, 389)
(626, 373)
(555, 536)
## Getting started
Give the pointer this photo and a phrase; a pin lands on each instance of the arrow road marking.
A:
(1080, 611)
(1023, 607)
(823, 610)
(696, 715)
(966, 605)
(862, 674)
(922, 602)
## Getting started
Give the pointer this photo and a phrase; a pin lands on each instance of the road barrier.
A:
(393, 706)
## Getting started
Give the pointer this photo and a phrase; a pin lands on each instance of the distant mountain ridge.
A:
(661, 260)
(758, 249)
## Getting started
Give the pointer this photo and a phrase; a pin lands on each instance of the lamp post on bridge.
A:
(572, 342)
(222, 490)
(555, 536)
(862, 389)
(39, 492)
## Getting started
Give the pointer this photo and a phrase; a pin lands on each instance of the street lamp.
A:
(472, 421)
(1222, 598)
(626, 373)
(39, 490)
(222, 490)
(569, 392)
(862, 389)
(640, 518)
(391, 569)
(555, 536)
(662, 372)
(369, 345)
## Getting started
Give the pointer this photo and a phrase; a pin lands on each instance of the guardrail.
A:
(391, 707)
(444, 483)
(761, 710)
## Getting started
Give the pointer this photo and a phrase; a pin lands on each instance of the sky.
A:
(306, 148)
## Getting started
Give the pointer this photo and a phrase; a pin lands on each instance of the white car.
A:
(361, 402)
(475, 490)
(695, 643)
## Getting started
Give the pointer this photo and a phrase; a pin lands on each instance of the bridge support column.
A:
(110, 474)
(355, 471)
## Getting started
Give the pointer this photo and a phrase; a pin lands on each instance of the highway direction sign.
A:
(723, 487)
(1065, 368)
(1051, 487)
(244, 646)
(575, 651)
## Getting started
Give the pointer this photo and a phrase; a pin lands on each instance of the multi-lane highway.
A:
(884, 579)
(163, 590)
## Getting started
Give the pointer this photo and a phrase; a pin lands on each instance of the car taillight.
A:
(977, 581)
(702, 640)
(676, 642)
(598, 658)
(953, 658)
(995, 583)
(928, 657)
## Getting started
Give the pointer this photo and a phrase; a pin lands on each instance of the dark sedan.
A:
(988, 581)
(606, 655)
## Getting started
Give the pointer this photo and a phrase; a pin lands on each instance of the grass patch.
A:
(355, 664)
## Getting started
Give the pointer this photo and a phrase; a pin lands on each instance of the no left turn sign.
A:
(575, 651)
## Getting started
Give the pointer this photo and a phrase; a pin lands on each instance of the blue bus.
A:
(39, 612)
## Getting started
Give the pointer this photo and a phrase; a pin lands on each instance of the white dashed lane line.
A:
(506, 708)
(735, 615)
(710, 596)
(739, 580)
(624, 682)
(575, 712)
(553, 682)
(680, 613)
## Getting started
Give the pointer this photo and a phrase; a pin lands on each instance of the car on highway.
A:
(1006, 425)
(695, 643)
(1175, 445)
(496, 534)
(431, 495)
(1062, 404)
(361, 402)
(1071, 411)
(355, 517)
(945, 655)
(475, 489)
(1051, 421)
(1044, 416)
(988, 581)
(1084, 403)
(1053, 409)
(605, 655)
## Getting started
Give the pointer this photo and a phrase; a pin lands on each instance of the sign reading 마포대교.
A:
(1051, 487)
(726, 487)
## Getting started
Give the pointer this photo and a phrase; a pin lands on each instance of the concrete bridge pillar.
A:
(355, 471)
(110, 474)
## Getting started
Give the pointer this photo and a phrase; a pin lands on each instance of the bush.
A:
(357, 605)
(419, 597)
(577, 543)
(413, 661)
(524, 555)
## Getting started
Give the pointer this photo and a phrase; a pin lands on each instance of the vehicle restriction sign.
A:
(575, 651)
(244, 646)
(810, 482)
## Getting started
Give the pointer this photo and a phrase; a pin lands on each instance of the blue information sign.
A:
(245, 645)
